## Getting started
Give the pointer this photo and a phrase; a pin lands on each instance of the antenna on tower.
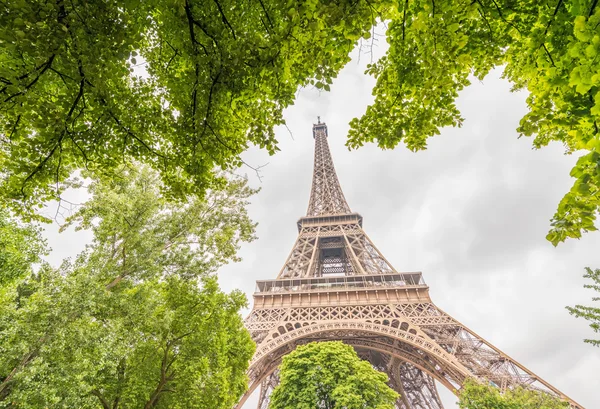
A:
(318, 119)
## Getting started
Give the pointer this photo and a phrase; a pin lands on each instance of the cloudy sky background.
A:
(471, 212)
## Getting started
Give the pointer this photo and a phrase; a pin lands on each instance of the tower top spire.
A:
(326, 196)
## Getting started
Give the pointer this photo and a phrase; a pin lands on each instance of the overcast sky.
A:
(471, 212)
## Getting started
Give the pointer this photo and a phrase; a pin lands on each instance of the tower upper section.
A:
(331, 241)
(326, 196)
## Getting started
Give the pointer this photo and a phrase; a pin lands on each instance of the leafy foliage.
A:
(330, 375)
(220, 72)
(549, 48)
(138, 319)
(143, 235)
(591, 314)
(477, 396)
(21, 246)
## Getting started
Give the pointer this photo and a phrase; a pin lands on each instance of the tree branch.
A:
(266, 13)
(194, 22)
(14, 129)
(548, 54)
(134, 136)
(173, 57)
(42, 163)
(503, 19)
(592, 8)
(225, 18)
(28, 357)
(191, 23)
(482, 14)
(165, 378)
(45, 66)
(114, 282)
(404, 20)
(209, 103)
(552, 19)
(103, 401)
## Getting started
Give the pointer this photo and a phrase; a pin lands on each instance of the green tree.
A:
(474, 395)
(591, 314)
(138, 319)
(329, 375)
(220, 73)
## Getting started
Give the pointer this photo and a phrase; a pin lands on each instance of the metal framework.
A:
(336, 285)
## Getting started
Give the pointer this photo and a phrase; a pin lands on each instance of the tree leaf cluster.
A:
(475, 395)
(21, 247)
(590, 313)
(138, 319)
(330, 375)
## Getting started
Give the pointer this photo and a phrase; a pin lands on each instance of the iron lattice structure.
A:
(336, 285)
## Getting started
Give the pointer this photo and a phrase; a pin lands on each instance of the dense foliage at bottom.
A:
(330, 375)
(478, 396)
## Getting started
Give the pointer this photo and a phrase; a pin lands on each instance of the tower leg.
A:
(266, 388)
(417, 389)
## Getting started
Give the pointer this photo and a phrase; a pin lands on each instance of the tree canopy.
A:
(590, 313)
(220, 72)
(474, 395)
(138, 319)
(330, 375)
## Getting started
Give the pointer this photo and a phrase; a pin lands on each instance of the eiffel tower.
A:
(336, 285)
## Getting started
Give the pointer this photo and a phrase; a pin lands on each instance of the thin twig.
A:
(289, 130)
(592, 8)
(224, 18)
(266, 13)
(45, 66)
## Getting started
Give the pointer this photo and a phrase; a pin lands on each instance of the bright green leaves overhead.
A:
(330, 375)
(431, 55)
(577, 210)
(64, 91)
(549, 48)
(562, 75)
(218, 75)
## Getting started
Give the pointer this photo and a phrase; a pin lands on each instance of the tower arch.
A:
(400, 348)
